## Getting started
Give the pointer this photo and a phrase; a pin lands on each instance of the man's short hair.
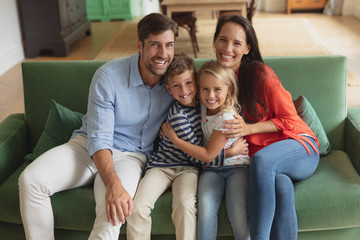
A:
(155, 23)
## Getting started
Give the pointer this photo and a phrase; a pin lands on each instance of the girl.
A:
(281, 146)
(218, 94)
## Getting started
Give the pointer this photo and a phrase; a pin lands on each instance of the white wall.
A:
(348, 7)
(150, 6)
(351, 7)
(357, 9)
(274, 5)
(11, 46)
(11, 49)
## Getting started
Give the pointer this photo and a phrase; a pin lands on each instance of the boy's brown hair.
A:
(180, 63)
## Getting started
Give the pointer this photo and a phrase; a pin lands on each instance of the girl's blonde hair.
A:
(227, 76)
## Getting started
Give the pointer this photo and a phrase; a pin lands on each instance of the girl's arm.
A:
(216, 144)
(239, 147)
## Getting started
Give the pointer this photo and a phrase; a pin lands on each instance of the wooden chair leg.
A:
(193, 39)
(251, 10)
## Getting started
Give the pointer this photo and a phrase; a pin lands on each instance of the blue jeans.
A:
(271, 195)
(213, 183)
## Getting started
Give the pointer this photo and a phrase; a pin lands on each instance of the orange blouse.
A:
(282, 112)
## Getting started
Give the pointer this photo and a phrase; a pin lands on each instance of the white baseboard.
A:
(10, 58)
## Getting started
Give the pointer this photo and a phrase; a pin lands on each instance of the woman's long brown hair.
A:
(251, 74)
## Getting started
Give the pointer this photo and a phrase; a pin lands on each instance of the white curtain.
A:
(334, 7)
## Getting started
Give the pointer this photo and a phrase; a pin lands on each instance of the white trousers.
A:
(65, 167)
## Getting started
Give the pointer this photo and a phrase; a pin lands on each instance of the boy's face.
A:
(183, 88)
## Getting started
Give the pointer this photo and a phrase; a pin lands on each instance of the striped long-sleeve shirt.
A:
(186, 122)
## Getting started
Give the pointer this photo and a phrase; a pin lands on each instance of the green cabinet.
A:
(106, 10)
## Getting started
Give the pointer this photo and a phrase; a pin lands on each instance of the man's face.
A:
(156, 54)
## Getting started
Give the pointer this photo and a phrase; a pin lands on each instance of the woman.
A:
(282, 147)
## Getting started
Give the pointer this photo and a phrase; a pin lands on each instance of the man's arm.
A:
(119, 203)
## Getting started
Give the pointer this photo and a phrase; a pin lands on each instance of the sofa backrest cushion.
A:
(67, 82)
(321, 79)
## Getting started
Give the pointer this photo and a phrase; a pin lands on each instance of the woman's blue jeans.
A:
(271, 195)
(213, 184)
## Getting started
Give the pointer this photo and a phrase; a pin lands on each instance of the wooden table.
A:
(205, 5)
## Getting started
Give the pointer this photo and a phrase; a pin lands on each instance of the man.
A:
(127, 104)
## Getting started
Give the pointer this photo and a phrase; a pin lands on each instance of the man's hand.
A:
(119, 203)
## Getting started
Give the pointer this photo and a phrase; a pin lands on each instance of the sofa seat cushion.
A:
(73, 209)
(9, 198)
(330, 199)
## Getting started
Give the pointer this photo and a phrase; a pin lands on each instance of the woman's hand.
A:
(168, 131)
(237, 127)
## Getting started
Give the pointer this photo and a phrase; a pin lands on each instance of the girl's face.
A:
(231, 45)
(213, 92)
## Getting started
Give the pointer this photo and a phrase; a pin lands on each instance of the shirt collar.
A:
(135, 77)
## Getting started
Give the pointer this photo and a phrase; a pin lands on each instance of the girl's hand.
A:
(161, 132)
(237, 127)
(168, 131)
(239, 147)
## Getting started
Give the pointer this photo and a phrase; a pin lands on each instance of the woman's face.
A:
(231, 45)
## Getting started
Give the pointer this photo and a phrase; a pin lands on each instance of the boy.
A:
(169, 166)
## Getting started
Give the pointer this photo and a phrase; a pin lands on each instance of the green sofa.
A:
(327, 204)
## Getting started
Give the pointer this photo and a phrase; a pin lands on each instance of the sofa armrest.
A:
(13, 144)
(352, 136)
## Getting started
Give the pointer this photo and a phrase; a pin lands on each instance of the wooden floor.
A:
(343, 40)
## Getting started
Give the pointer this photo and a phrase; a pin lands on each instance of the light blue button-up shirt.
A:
(123, 113)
